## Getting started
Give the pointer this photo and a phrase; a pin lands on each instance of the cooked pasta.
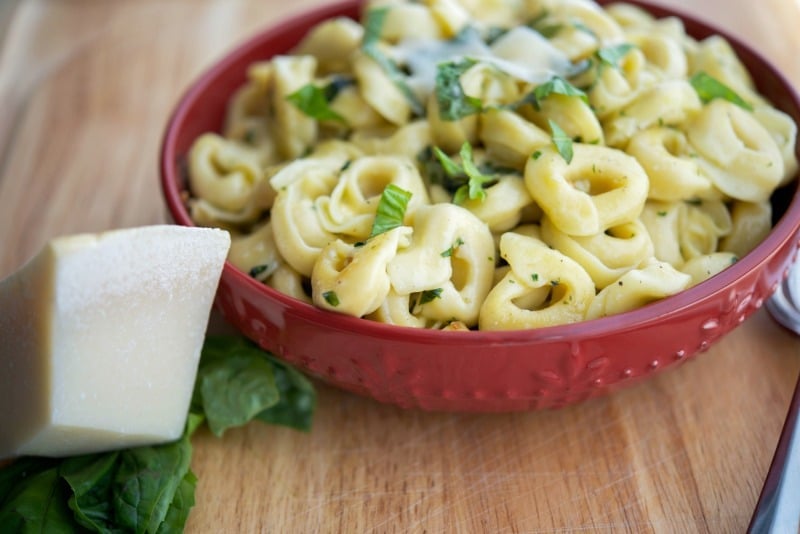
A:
(493, 164)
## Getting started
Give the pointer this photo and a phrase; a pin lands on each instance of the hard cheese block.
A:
(100, 337)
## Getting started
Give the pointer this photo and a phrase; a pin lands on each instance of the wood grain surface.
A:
(86, 87)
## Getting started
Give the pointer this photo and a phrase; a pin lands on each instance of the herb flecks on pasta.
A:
(478, 164)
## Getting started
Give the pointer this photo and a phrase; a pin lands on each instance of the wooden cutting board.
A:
(86, 88)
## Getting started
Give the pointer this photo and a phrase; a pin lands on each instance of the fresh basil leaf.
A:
(708, 88)
(37, 503)
(237, 388)
(373, 25)
(312, 101)
(391, 209)
(146, 483)
(562, 141)
(555, 86)
(14, 474)
(181, 506)
(286, 396)
(297, 399)
(454, 104)
(612, 55)
(90, 478)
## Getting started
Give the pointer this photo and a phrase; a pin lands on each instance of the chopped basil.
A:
(260, 272)
(454, 104)
(429, 295)
(555, 86)
(612, 55)
(373, 25)
(536, 155)
(709, 88)
(312, 101)
(331, 298)
(391, 210)
(476, 179)
(449, 252)
(535, 277)
(449, 166)
(562, 141)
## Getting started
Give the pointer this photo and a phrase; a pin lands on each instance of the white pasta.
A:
(598, 189)
(668, 160)
(502, 208)
(332, 42)
(542, 288)
(493, 164)
(701, 268)
(451, 250)
(353, 279)
(607, 255)
(737, 153)
(750, 224)
(668, 103)
(638, 287)
(298, 230)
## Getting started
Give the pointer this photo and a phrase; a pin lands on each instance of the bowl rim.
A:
(786, 229)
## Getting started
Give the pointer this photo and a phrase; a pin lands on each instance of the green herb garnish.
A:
(454, 104)
(709, 88)
(612, 55)
(430, 295)
(391, 209)
(555, 86)
(475, 179)
(562, 141)
(449, 252)
(312, 101)
(258, 270)
(331, 298)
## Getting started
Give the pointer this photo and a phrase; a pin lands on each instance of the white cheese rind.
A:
(100, 337)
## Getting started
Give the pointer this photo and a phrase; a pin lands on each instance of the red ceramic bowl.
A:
(480, 371)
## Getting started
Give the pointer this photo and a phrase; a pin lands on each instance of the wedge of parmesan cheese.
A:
(100, 336)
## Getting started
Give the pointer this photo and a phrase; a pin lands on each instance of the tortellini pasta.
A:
(493, 164)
